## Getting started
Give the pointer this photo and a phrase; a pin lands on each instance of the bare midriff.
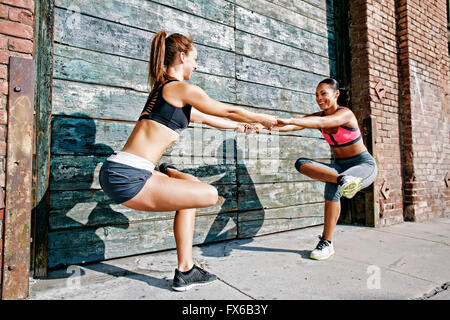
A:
(349, 151)
(149, 140)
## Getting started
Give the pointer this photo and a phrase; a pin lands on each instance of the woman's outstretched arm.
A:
(198, 98)
(221, 123)
(286, 128)
(315, 121)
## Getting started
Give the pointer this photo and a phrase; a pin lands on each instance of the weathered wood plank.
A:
(219, 88)
(263, 26)
(70, 172)
(264, 227)
(216, 10)
(153, 17)
(75, 172)
(274, 147)
(77, 209)
(270, 170)
(279, 13)
(272, 195)
(93, 67)
(88, 136)
(260, 222)
(212, 170)
(314, 9)
(289, 212)
(274, 52)
(269, 97)
(43, 58)
(93, 244)
(112, 38)
(318, 3)
(96, 101)
(274, 75)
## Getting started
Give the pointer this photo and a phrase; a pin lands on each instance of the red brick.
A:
(4, 87)
(3, 41)
(16, 29)
(3, 71)
(2, 148)
(3, 117)
(3, 12)
(4, 56)
(20, 45)
(26, 4)
(3, 101)
(20, 15)
(2, 175)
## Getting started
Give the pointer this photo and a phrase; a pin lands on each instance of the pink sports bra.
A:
(344, 136)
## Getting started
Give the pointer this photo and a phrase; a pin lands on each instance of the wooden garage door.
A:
(263, 55)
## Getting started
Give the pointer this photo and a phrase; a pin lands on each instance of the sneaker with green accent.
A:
(323, 250)
(350, 186)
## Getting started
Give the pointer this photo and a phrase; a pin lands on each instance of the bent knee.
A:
(331, 192)
(300, 162)
(211, 196)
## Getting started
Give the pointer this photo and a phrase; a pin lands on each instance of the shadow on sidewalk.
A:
(73, 272)
(303, 253)
(225, 249)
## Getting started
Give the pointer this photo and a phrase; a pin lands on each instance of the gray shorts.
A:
(123, 175)
(363, 165)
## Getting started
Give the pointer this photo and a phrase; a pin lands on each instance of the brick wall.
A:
(374, 60)
(16, 39)
(425, 77)
(403, 45)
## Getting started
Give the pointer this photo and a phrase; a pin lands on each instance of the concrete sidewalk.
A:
(404, 261)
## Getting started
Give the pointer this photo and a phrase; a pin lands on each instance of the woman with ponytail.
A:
(128, 176)
(352, 169)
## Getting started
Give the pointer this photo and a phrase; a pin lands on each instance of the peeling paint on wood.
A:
(96, 35)
(281, 54)
(264, 26)
(279, 13)
(137, 13)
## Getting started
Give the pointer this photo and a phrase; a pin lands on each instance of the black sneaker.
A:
(184, 281)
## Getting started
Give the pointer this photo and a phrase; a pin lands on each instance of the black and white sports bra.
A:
(159, 110)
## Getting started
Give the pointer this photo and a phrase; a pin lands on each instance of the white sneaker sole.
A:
(186, 288)
(351, 189)
(323, 258)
